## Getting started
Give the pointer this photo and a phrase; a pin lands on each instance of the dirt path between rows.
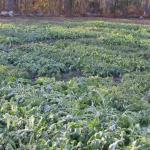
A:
(60, 20)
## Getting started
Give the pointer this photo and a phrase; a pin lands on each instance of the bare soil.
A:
(60, 20)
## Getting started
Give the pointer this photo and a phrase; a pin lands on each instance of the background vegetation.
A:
(109, 8)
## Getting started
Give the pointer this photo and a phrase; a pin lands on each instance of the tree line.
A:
(111, 8)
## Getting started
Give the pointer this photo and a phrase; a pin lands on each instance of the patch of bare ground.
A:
(73, 74)
(61, 20)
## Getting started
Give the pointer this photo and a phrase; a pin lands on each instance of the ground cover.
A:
(75, 85)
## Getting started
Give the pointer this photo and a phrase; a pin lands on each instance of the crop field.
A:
(74, 86)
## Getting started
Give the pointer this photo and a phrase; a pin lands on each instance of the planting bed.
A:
(74, 86)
